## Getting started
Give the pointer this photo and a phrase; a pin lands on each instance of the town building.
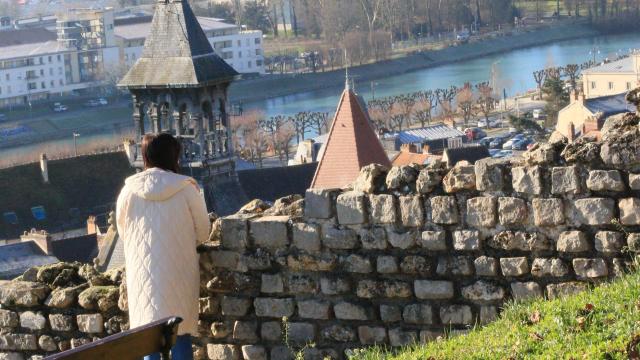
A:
(583, 116)
(409, 154)
(351, 144)
(437, 137)
(612, 78)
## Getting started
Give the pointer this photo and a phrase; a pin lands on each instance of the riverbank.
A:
(271, 86)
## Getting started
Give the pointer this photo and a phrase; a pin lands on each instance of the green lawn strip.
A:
(567, 329)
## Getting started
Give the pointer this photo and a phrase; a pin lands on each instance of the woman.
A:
(162, 217)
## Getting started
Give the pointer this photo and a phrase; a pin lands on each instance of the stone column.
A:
(199, 132)
(155, 119)
(138, 118)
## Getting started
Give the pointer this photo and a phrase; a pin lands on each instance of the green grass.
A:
(596, 324)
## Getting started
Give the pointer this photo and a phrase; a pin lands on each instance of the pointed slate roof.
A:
(177, 53)
(351, 144)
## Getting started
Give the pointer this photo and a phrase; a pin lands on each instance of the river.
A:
(511, 71)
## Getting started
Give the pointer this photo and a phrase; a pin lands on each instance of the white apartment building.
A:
(240, 49)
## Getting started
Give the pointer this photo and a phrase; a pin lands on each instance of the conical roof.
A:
(352, 144)
(177, 53)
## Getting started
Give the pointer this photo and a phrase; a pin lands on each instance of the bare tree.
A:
(486, 101)
(465, 98)
(371, 10)
(427, 101)
(539, 77)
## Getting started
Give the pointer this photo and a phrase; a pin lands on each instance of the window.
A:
(43, 85)
(41, 72)
(51, 71)
(258, 62)
(628, 86)
(41, 60)
(593, 84)
(8, 77)
(52, 83)
(32, 86)
(239, 43)
(248, 42)
(258, 41)
(60, 71)
(50, 59)
(249, 64)
(610, 85)
(240, 54)
(227, 55)
(59, 57)
(8, 89)
(258, 52)
(61, 82)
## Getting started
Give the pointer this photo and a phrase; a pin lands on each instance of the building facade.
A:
(612, 78)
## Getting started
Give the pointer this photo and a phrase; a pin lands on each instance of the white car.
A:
(538, 114)
(103, 101)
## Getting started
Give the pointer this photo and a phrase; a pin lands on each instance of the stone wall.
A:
(402, 256)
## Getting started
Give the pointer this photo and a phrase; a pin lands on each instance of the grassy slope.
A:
(565, 330)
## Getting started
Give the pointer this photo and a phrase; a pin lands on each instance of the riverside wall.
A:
(403, 255)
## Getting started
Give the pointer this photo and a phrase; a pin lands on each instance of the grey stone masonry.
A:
(634, 181)
(565, 180)
(383, 209)
(605, 180)
(573, 242)
(418, 314)
(456, 315)
(275, 308)
(33, 321)
(374, 238)
(590, 268)
(8, 319)
(350, 208)
(306, 237)
(610, 242)
(629, 211)
(318, 204)
(512, 211)
(270, 232)
(490, 174)
(433, 290)
(90, 323)
(486, 266)
(235, 232)
(433, 240)
(387, 265)
(402, 240)
(527, 180)
(594, 211)
(481, 211)
(313, 309)
(411, 211)
(466, 240)
(444, 210)
(516, 266)
(548, 212)
(565, 289)
(349, 311)
(525, 290)
(549, 268)
(336, 238)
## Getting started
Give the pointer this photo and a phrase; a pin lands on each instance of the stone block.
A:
(225, 259)
(573, 242)
(338, 333)
(22, 293)
(8, 319)
(349, 311)
(527, 180)
(274, 308)
(13, 356)
(356, 264)
(418, 314)
(350, 207)
(396, 289)
(433, 240)
(481, 211)
(245, 331)
(633, 242)
(466, 240)
(220, 330)
(47, 343)
(399, 337)
(565, 180)
(325, 261)
(401, 176)
(313, 309)
(19, 342)
(270, 232)
(208, 306)
(271, 331)
(456, 266)
(565, 289)
(372, 335)
(301, 284)
(444, 210)
(374, 238)
(223, 352)
(369, 289)
(419, 265)
(427, 336)
(549, 268)
(402, 240)
(483, 292)
(281, 353)
(90, 323)
(334, 286)
(411, 211)
(490, 174)
(254, 352)
(33, 321)
(390, 313)
(306, 237)
(383, 209)
(339, 239)
(318, 203)
(301, 333)
(387, 264)
(235, 232)
(59, 322)
(525, 290)
(605, 180)
(634, 181)
(456, 315)
(609, 242)
(488, 314)
(629, 211)
(512, 211)
(461, 177)
(233, 306)
(514, 266)
(433, 290)
(486, 266)
(61, 298)
(594, 211)
(272, 284)
(590, 268)
(428, 179)
(548, 212)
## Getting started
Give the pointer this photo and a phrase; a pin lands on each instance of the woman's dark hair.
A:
(161, 151)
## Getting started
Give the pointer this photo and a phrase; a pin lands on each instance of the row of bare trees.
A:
(256, 135)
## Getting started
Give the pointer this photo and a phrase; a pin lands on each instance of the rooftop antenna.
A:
(346, 71)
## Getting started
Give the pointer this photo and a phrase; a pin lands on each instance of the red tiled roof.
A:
(352, 144)
(407, 158)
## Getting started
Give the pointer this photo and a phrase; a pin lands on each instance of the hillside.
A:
(596, 324)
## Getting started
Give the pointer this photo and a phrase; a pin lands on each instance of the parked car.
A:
(521, 144)
(3, 117)
(486, 141)
(463, 36)
(538, 114)
(475, 133)
(497, 142)
(503, 154)
(103, 101)
(92, 103)
(509, 144)
(493, 152)
(492, 123)
(59, 107)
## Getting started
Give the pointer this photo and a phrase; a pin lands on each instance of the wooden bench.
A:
(156, 337)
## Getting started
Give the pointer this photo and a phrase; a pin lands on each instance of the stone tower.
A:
(179, 85)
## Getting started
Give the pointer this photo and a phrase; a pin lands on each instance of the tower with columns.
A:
(179, 85)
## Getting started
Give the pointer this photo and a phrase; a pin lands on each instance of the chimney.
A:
(571, 132)
(41, 238)
(426, 149)
(577, 96)
(44, 168)
(92, 227)
(409, 148)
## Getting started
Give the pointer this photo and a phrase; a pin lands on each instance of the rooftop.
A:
(465, 153)
(619, 66)
(28, 42)
(429, 133)
(610, 105)
(16, 258)
(134, 28)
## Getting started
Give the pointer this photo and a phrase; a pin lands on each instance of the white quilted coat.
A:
(162, 217)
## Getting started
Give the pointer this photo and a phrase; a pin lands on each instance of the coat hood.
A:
(157, 185)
